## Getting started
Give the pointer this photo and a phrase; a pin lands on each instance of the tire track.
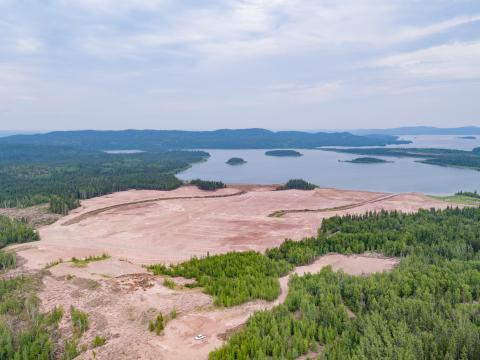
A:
(281, 213)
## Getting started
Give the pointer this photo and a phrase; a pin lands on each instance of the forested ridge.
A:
(426, 308)
(34, 174)
(155, 140)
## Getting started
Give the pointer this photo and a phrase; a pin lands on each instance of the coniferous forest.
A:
(61, 176)
(426, 308)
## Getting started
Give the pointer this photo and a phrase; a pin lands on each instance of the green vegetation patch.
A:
(98, 341)
(236, 161)
(232, 278)
(425, 308)
(208, 185)
(461, 197)
(25, 333)
(298, 184)
(89, 259)
(283, 153)
(13, 232)
(80, 322)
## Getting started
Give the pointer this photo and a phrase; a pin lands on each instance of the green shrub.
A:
(98, 341)
(169, 283)
(79, 321)
(157, 325)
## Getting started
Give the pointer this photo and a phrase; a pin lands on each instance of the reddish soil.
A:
(171, 226)
(141, 227)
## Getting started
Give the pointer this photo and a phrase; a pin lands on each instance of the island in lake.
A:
(367, 160)
(236, 161)
(467, 137)
(283, 153)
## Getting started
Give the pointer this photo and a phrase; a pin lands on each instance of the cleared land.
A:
(120, 307)
(171, 226)
(142, 227)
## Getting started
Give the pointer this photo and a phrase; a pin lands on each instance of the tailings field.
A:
(141, 227)
(146, 227)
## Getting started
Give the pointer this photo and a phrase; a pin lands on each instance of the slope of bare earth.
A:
(120, 308)
(140, 227)
(172, 226)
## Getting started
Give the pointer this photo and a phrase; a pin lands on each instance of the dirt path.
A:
(280, 213)
(178, 340)
(89, 214)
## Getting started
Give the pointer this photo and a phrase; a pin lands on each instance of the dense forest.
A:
(232, 278)
(426, 308)
(298, 184)
(155, 140)
(34, 174)
(442, 157)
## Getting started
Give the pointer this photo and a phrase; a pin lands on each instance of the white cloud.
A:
(411, 33)
(453, 61)
(113, 7)
(239, 29)
(305, 92)
(28, 45)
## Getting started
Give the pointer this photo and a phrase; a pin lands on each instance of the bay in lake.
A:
(324, 169)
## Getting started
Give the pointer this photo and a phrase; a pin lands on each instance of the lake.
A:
(324, 169)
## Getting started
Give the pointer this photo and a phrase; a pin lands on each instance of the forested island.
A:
(367, 160)
(283, 153)
(156, 140)
(467, 137)
(441, 157)
(236, 161)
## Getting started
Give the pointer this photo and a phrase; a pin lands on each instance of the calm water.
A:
(324, 169)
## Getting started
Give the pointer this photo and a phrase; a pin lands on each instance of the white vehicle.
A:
(199, 337)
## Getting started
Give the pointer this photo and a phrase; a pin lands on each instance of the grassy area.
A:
(458, 199)
(25, 333)
(83, 262)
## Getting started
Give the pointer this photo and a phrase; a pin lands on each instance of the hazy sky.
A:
(72, 64)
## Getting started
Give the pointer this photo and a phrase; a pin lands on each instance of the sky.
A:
(206, 64)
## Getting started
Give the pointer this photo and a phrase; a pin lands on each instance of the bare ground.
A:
(120, 308)
(179, 224)
(142, 227)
